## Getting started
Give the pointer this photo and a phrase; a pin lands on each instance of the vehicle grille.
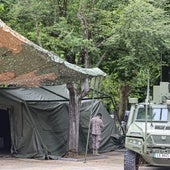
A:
(159, 127)
(159, 140)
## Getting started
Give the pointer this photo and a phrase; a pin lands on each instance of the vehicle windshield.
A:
(154, 114)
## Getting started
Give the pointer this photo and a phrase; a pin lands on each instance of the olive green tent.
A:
(35, 122)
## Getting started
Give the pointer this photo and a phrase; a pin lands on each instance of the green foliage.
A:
(110, 86)
(1, 7)
(5, 7)
(134, 35)
(140, 36)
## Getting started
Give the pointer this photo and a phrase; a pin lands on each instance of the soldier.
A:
(97, 125)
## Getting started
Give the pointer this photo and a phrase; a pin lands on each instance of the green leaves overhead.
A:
(141, 33)
(143, 28)
(1, 7)
(122, 37)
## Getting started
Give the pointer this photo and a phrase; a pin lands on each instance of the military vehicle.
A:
(147, 139)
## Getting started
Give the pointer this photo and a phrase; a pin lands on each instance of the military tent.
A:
(34, 122)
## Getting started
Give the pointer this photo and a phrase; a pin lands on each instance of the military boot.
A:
(97, 153)
(94, 152)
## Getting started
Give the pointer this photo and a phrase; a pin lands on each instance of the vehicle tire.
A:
(131, 160)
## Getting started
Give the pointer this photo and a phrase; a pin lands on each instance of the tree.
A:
(139, 38)
(85, 13)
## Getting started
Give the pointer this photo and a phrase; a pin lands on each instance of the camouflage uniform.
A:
(97, 125)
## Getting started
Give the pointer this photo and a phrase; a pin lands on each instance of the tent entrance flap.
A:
(5, 139)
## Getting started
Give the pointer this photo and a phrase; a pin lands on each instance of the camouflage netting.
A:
(25, 63)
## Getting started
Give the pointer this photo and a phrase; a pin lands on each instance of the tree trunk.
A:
(124, 93)
(74, 116)
(74, 110)
(38, 32)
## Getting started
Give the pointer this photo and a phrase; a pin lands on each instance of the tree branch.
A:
(101, 58)
(84, 22)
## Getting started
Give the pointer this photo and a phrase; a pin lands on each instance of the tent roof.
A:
(25, 63)
(46, 93)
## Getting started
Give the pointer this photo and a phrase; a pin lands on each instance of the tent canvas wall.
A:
(39, 122)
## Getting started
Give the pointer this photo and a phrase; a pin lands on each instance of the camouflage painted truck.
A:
(147, 138)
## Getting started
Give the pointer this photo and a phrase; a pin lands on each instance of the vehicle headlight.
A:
(135, 141)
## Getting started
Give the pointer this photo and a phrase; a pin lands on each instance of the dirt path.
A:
(107, 161)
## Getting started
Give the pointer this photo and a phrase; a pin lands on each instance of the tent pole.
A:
(88, 134)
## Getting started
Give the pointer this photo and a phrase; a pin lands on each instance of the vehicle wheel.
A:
(131, 160)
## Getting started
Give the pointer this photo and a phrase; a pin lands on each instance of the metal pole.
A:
(146, 109)
(88, 134)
